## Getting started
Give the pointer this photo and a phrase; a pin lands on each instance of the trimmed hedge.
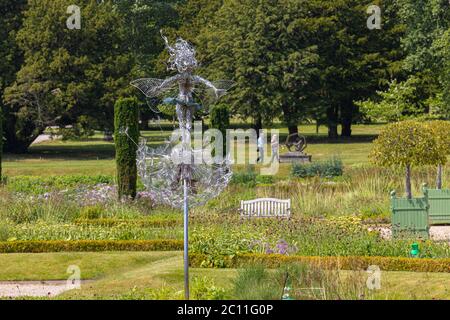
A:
(343, 263)
(89, 246)
(108, 222)
(327, 169)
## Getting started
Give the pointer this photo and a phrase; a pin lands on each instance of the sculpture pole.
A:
(186, 241)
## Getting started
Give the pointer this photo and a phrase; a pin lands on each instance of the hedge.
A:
(108, 222)
(89, 246)
(344, 263)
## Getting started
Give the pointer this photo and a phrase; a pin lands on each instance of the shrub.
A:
(220, 120)
(267, 180)
(247, 177)
(91, 212)
(205, 289)
(342, 263)
(89, 246)
(126, 119)
(330, 168)
(254, 283)
(4, 232)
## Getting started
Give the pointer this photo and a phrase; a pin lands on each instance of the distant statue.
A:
(296, 141)
(275, 148)
(261, 145)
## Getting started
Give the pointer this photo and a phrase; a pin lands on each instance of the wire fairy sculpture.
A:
(162, 176)
(186, 182)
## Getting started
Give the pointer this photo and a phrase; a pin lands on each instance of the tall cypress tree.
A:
(126, 135)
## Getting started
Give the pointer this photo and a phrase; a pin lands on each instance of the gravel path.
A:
(14, 289)
(437, 233)
(44, 138)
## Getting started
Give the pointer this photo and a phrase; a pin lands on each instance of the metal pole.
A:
(186, 241)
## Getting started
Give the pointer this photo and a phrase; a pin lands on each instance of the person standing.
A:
(260, 149)
(275, 148)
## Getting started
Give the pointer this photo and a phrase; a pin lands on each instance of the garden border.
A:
(89, 246)
(330, 262)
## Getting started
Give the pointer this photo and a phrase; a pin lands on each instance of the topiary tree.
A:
(126, 135)
(220, 120)
(406, 144)
(441, 132)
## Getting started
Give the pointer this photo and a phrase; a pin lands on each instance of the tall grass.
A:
(361, 191)
(299, 282)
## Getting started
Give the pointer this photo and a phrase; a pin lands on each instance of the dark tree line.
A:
(293, 60)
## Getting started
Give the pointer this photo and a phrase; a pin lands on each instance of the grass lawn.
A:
(94, 156)
(119, 274)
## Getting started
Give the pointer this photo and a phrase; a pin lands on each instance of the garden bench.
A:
(266, 208)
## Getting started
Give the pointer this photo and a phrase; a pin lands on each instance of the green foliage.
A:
(256, 283)
(92, 212)
(68, 72)
(89, 246)
(317, 56)
(126, 118)
(407, 143)
(305, 282)
(247, 177)
(335, 262)
(1, 143)
(401, 101)
(144, 223)
(202, 288)
(82, 129)
(11, 16)
(205, 289)
(220, 119)
(41, 185)
(305, 237)
(41, 229)
(441, 133)
(4, 232)
(328, 169)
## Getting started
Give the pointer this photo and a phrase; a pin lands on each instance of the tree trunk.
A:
(332, 118)
(347, 119)
(258, 126)
(293, 129)
(439, 177)
(346, 129)
(19, 137)
(408, 182)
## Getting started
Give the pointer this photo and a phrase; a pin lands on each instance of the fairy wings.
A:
(206, 91)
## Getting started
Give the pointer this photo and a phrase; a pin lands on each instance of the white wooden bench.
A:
(266, 208)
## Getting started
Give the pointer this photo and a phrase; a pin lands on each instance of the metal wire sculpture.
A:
(171, 181)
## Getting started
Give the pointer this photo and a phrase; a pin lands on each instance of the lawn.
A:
(95, 156)
(71, 196)
(135, 274)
